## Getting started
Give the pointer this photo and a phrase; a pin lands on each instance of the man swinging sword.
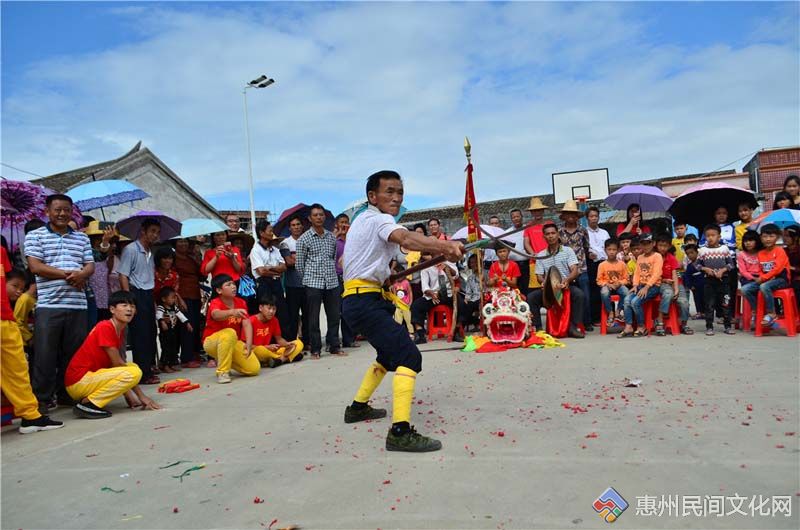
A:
(372, 242)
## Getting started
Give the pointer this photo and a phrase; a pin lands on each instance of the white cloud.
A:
(538, 87)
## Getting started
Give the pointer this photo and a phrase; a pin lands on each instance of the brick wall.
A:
(774, 167)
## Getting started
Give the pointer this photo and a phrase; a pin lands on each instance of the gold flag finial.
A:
(467, 146)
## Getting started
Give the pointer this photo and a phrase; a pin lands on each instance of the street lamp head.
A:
(257, 80)
(266, 83)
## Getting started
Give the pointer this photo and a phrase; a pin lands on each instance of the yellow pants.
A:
(533, 283)
(105, 385)
(228, 350)
(404, 315)
(14, 379)
(264, 354)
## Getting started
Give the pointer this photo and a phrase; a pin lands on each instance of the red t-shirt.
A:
(669, 264)
(235, 323)
(91, 356)
(170, 280)
(223, 265)
(511, 272)
(642, 229)
(263, 332)
(536, 237)
(6, 313)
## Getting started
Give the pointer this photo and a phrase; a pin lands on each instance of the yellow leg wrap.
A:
(371, 380)
(403, 388)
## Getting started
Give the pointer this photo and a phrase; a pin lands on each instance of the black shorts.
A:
(371, 315)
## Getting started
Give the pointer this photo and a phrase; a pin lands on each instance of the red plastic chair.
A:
(604, 314)
(652, 313)
(440, 321)
(787, 321)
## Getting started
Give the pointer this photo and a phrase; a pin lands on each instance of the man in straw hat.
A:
(533, 239)
(576, 237)
(564, 260)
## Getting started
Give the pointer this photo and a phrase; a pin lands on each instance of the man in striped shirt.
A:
(61, 258)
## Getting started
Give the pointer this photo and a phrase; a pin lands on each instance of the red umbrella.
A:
(23, 202)
(302, 210)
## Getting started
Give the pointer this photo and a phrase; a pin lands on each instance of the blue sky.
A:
(645, 89)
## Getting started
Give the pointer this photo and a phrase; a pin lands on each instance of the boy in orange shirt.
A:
(504, 270)
(774, 273)
(612, 277)
(268, 344)
(646, 285)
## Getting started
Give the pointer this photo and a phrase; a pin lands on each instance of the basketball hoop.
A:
(581, 199)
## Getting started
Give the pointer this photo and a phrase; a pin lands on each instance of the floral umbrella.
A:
(22, 202)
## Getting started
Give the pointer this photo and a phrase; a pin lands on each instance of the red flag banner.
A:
(471, 209)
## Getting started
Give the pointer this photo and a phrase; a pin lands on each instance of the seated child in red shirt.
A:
(774, 274)
(97, 373)
(226, 321)
(503, 270)
(268, 344)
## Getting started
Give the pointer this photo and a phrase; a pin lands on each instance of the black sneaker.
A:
(421, 337)
(274, 363)
(411, 442)
(42, 423)
(352, 415)
(298, 358)
(90, 411)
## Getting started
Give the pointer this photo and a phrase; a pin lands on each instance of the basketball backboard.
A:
(591, 184)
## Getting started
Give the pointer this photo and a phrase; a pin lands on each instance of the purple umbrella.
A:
(131, 226)
(696, 205)
(649, 198)
(23, 202)
(281, 227)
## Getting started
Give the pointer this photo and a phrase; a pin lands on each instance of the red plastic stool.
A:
(788, 320)
(652, 313)
(604, 314)
(743, 312)
(440, 321)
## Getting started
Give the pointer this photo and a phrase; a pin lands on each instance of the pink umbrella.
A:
(23, 202)
(697, 204)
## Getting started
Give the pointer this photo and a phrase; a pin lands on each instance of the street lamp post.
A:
(260, 82)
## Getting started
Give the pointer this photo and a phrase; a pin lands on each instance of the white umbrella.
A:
(489, 230)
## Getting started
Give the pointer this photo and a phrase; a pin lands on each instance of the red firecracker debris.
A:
(272, 524)
(592, 435)
(387, 481)
(749, 408)
(501, 434)
(258, 500)
(309, 468)
(175, 510)
(779, 446)
(480, 372)
(789, 433)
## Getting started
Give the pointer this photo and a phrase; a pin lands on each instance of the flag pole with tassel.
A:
(472, 219)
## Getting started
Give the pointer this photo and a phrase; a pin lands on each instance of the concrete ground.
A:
(569, 431)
